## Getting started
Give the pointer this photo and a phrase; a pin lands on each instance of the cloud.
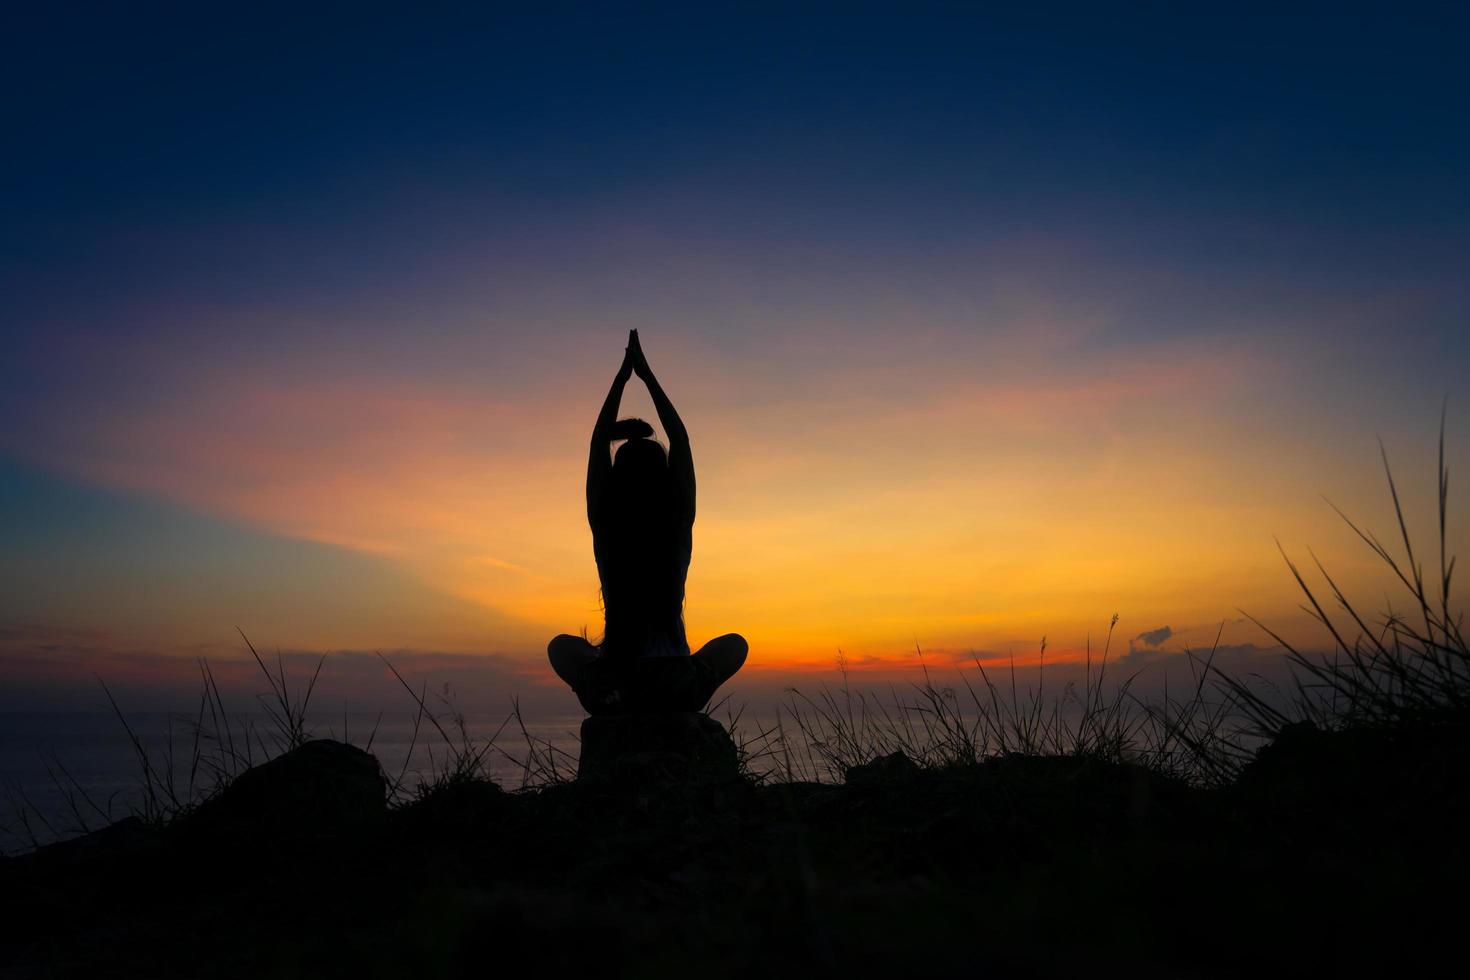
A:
(1147, 646)
(1154, 637)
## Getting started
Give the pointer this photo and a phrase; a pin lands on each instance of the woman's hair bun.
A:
(631, 429)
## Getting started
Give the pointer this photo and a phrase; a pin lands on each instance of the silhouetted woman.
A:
(641, 508)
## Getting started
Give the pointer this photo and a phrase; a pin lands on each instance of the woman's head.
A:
(640, 473)
(640, 464)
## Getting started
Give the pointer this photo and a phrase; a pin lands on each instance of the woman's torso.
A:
(642, 571)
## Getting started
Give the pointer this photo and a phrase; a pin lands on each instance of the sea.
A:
(67, 773)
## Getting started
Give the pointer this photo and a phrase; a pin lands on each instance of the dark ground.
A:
(1334, 854)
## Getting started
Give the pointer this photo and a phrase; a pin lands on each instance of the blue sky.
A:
(320, 303)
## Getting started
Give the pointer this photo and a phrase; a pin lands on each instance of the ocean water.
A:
(63, 773)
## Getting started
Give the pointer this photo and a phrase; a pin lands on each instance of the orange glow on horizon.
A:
(848, 511)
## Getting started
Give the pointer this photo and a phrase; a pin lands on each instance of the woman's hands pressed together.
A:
(634, 354)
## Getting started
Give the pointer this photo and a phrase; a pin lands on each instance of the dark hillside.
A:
(1333, 853)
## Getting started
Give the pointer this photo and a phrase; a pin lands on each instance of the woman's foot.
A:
(724, 656)
(568, 654)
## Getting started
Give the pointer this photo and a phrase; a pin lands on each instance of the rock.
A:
(1308, 775)
(128, 836)
(678, 746)
(1303, 759)
(895, 765)
(456, 808)
(321, 788)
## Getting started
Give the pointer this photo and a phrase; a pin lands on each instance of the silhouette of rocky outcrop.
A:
(1015, 866)
(321, 788)
(675, 746)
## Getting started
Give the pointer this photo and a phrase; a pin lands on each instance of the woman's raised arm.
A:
(681, 460)
(599, 459)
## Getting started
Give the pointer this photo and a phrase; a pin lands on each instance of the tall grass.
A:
(1199, 737)
(821, 736)
(1387, 669)
(462, 757)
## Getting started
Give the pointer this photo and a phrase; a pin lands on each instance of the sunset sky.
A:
(985, 327)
